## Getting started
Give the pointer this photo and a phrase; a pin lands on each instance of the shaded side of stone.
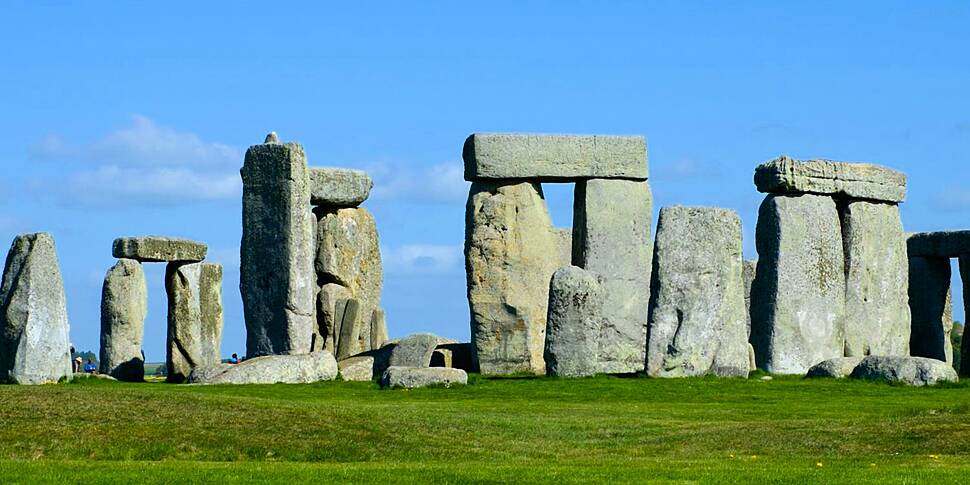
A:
(350, 328)
(124, 306)
(965, 342)
(611, 237)
(510, 256)
(748, 271)
(276, 273)
(940, 244)
(931, 307)
(798, 295)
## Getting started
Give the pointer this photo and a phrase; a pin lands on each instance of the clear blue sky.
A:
(127, 118)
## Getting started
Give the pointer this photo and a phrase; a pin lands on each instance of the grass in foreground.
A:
(500, 430)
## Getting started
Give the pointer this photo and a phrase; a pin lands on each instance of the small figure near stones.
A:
(234, 359)
(90, 367)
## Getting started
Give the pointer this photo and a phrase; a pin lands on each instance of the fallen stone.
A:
(413, 377)
(877, 316)
(611, 224)
(748, 271)
(549, 158)
(510, 256)
(350, 329)
(932, 309)
(574, 323)
(124, 306)
(414, 350)
(158, 249)
(195, 318)
(940, 244)
(838, 367)
(913, 371)
(697, 317)
(786, 175)
(331, 302)
(270, 369)
(378, 329)
(276, 273)
(339, 187)
(348, 253)
(798, 296)
(34, 345)
(357, 368)
(85, 375)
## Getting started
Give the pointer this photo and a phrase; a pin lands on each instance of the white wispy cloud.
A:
(422, 259)
(141, 164)
(438, 184)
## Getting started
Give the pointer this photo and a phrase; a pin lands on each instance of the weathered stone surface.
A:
(574, 323)
(270, 369)
(339, 187)
(564, 240)
(786, 175)
(351, 326)
(414, 350)
(510, 256)
(195, 317)
(331, 301)
(276, 273)
(457, 355)
(554, 157)
(942, 244)
(877, 317)
(913, 371)
(838, 367)
(697, 317)
(798, 296)
(965, 340)
(348, 253)
(611, 227)
(932, 310)
(357, 368)
(124, 306)
(413, 377)
(378, 329)
(34, 345)
(155, 249)
(748, 271)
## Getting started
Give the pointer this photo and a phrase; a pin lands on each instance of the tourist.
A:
(76, 364)
(90, 367)
(234, 359)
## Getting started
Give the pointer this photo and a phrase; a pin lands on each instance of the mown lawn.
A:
(496, 430)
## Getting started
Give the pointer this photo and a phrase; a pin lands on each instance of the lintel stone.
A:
(939, 244)
(339, 187)
(158, 249)
(786, 175)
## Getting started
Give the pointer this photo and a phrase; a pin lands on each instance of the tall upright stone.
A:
(932, 310)
(510, 256)
(965, 341)
(798, 296)
(34, 345)
(611, 237)
(697, 316)
(195, 317)
(124, 305)
(749, 270)
(575, 321)
(276, 274)
(331, 301)
(351, 326)
(348, 254)
(877, 316)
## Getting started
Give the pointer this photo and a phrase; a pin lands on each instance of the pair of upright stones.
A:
(311, 272)
(832, 279)
(195, 314)
(929, 293)
(512, 251)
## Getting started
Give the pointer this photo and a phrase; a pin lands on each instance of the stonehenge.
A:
(413, 377)
(124, 306)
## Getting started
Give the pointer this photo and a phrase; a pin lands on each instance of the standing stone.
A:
(350, 329)
(124, 305)
(932, 310)
(195, 317)
(378, 329)
(798, 296)
(748, 271)
(564, 239)
(276, 273)
(965, 341)
(877, 317)
(574, 324)
(348, 253)
(697, 317)
(34, 345)
(611, 237)
(510, 256)
(331, 302)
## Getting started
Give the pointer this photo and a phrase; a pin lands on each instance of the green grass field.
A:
(603, 429)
